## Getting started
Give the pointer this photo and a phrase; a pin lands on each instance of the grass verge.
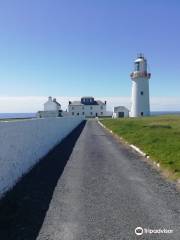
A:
(157, 136)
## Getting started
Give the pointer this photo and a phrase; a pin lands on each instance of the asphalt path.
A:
(107, 190)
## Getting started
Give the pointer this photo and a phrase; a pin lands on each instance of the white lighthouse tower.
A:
(140, 88)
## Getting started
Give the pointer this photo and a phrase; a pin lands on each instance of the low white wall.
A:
(23, 143)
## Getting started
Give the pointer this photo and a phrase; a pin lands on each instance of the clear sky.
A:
(87, 47)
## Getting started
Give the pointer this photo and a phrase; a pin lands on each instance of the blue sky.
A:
(87, 47)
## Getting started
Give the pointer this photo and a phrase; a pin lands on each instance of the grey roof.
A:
(87, 97)
(120, 107)
(55, 101)
(76, 103)
(98, 102)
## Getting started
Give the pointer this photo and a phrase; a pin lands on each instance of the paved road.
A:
(106, 191)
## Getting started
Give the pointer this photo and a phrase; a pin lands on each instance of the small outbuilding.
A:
(120, 112)
(51, 109)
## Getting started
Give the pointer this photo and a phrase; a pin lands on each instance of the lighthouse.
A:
(140, 88)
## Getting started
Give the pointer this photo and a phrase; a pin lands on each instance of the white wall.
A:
(50, 106)
(23, 143)
(119, 109)
(140, 103)
(87, 109)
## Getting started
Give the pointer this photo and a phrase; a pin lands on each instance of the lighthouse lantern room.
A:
(140, 88)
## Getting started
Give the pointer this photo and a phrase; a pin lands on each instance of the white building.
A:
(52, 105)
(88, 107)
(140, 88)
(51, 109)
(120, 112)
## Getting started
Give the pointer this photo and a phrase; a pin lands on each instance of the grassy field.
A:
(158, 136)
(13, 119)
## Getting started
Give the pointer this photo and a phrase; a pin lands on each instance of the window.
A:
(91, 113)
(142, 113)
(142, 93)
(72, 113)
(72, 108)
(77, 113)
(82, 113)
(101, 107)
(101, 113)
(91, 108)
(82, 107)
(137, 66)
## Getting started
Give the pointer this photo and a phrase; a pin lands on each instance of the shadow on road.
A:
(23, 209)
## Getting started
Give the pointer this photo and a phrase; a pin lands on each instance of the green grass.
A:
(13, 119)
(158, 136)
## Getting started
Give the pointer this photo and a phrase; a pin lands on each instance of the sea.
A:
(157, 113)
(33, 115)
(17, 115)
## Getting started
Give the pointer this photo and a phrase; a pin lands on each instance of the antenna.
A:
(140, 55)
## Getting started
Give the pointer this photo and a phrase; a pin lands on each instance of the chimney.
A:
(105, 102)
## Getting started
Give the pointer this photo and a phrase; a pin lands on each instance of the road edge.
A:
(150, 161)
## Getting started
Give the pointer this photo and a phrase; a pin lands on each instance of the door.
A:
(120, 114)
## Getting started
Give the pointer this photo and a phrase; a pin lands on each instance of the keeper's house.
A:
(88, 107)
